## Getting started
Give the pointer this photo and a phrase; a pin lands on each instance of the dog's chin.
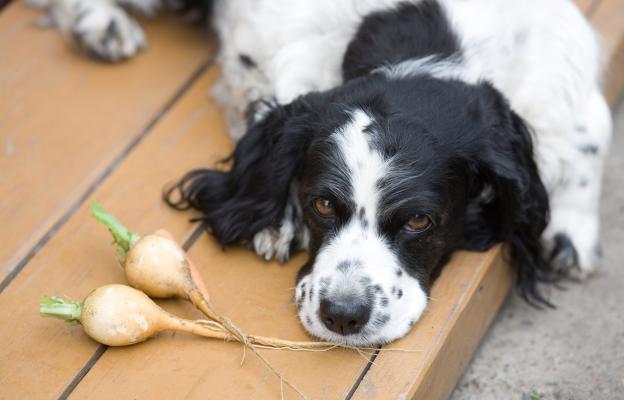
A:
(355, 340)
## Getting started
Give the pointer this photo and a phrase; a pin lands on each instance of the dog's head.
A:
(385, 178)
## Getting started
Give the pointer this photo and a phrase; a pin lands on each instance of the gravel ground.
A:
(577, 350)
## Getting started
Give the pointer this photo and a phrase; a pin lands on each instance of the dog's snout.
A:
(344, 317)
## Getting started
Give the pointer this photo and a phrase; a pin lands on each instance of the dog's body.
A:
(385, 134)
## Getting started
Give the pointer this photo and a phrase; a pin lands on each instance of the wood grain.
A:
(608, 20)
(41, 356)
(64, 119)
(587, 6)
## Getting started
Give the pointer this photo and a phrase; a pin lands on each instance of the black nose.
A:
(344, 317)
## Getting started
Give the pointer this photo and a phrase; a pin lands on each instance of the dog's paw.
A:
(563, 257)
(106, 32)
(566, 260)
(272, 243)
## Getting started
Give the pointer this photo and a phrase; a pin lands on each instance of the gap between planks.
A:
(106, 173)
(365, 370)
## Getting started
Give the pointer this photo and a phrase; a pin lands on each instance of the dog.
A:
(383, 135)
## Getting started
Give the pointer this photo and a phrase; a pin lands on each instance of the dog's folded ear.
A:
(252, 195)
(508, 201)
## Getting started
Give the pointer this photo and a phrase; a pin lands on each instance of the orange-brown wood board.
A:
(64, 120)
(75, 130)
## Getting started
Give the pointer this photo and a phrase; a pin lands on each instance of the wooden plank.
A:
(608, 20)
(587, 6)
(64, 119)
(40, 356)
(256, 295)
(465, 299)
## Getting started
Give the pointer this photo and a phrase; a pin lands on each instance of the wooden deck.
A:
(74, 130)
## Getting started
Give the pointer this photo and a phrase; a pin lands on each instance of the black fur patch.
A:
(381, 320)
(362, 217)
(346, 265)
(590, 149)
(365, 281)
(564, 255)
(409, 31)
(303, 294)
(247, 61)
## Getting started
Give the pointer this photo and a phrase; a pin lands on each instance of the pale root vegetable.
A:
(158, 266)
(118, 315)
(154, 264)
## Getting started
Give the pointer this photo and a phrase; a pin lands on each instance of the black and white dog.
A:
(383, 135)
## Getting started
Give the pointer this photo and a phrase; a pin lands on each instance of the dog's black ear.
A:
(252, 195)
(508, 201)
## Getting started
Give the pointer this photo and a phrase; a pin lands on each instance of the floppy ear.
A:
(252, 195)
(508, 200)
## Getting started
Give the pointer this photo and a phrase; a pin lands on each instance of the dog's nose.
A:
(344, 317)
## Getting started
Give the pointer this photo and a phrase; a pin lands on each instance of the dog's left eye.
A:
(418, 223)
(324, 207)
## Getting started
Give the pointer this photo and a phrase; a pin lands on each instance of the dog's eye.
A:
(324, 207)
(418, 223)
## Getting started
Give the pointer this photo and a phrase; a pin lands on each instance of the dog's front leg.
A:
(101, 28)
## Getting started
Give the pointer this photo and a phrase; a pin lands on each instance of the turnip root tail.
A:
(60, 308)
(122, 237)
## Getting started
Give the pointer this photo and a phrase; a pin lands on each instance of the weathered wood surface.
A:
(39, 357)
(64, 120)
(608, 19)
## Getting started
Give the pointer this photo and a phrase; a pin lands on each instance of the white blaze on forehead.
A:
(366, 164)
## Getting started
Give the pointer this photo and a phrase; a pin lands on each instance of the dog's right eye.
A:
(324, 207)
(419, 223)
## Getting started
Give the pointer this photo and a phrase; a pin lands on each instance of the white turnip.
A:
(119, 315)
(155, 263)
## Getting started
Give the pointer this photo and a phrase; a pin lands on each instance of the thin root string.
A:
(226, 325)
(246, 343)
